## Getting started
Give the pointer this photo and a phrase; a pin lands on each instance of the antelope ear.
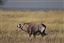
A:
(18, 25)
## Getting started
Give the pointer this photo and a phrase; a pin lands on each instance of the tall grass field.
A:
(9, 33)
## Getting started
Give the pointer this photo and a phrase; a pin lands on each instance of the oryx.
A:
(33, 29)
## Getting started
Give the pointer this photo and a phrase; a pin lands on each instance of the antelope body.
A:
(33, 29)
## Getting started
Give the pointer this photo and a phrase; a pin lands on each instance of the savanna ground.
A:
(9, 33)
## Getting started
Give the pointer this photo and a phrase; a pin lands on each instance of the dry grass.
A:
(9, 33)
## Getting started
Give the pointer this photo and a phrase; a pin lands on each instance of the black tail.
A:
(44, 25)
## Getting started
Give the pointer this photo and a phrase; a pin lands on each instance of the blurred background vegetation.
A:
(2, 2)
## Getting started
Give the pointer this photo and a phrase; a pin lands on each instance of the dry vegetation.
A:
(9, 33)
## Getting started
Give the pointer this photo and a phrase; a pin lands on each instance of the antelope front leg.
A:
(30, 36)
(34, 34)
